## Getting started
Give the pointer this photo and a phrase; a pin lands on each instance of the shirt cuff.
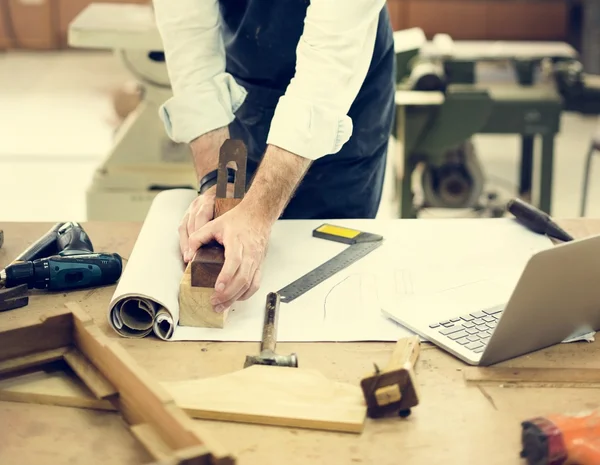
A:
(194, 112)
(308, 130)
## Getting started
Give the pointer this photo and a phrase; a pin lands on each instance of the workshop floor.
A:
(57, 123)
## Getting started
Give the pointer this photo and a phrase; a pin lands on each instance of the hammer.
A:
(267, 349)
(393, 391)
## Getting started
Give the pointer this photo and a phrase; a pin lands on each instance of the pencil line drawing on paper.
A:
(351, 288)
(404, 283)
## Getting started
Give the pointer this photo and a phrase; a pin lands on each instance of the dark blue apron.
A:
(261, 37)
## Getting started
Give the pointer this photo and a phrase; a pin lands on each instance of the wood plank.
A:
(32, 360)
(57, 388)
(568, 376)
(152, 441)
(261, 395)
(90, 375)
(51, 332)
(281, 396)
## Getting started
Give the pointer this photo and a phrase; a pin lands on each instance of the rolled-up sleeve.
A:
(333, 57)
(205, 96)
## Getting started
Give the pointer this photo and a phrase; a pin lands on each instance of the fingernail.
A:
(219, 308)
(220, 287)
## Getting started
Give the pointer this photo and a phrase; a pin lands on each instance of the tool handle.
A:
(536, 220)
(73, 240)
(406, 351)
(43, 247)
(270, 327)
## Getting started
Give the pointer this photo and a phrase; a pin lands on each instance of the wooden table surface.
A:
(455, 423)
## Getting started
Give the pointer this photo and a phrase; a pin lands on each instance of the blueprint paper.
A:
(417, 257)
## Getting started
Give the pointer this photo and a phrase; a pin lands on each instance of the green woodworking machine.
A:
(441, 106)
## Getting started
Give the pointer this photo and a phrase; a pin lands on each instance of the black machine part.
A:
(537, 220)
(73, 240)
(456, 182)
(428, 76)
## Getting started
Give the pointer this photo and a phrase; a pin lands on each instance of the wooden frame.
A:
(111, 374)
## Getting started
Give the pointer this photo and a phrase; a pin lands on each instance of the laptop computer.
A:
(557, 296)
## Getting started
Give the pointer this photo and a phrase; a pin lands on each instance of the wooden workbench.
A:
(455, 423)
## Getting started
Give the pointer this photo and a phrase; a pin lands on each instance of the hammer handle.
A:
(406, 351)
(269, 337)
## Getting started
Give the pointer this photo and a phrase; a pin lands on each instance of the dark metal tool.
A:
(537, 220)
(267, 349)
(232, 152)
(15, 297)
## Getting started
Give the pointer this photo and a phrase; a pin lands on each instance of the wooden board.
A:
(555, 377)
(277, 396)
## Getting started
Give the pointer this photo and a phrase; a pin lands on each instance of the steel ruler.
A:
(360, 244)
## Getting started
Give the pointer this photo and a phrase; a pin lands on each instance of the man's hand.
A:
(244, 233)
(200, 212)
(244, 230)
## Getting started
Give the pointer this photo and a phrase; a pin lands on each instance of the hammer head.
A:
(391, 393)
(270, 358)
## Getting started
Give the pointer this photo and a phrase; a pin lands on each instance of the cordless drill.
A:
(72, 265)
(562, 440)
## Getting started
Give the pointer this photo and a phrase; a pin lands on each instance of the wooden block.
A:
(195, 308)
(206, 266)
(222, 206)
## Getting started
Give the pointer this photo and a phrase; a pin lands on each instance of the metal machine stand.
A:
(440, 106)
(143, 160)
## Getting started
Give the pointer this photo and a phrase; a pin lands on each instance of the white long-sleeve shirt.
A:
(311, 119)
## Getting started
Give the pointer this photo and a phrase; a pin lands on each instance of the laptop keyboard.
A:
(472, 330)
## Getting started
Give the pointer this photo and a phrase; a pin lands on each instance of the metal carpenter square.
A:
(326, 270)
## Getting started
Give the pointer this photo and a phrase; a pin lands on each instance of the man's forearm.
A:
(205, 151)
(275, 182)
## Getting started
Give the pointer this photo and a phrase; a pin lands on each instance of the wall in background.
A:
(41, 24)
(484, 19)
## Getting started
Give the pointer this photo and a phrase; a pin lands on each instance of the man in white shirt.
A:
(308, 86)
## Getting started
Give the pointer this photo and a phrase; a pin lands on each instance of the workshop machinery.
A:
(441, 106)
(143, 160)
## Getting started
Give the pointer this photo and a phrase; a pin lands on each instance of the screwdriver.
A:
(536, 220)
(59, 273)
